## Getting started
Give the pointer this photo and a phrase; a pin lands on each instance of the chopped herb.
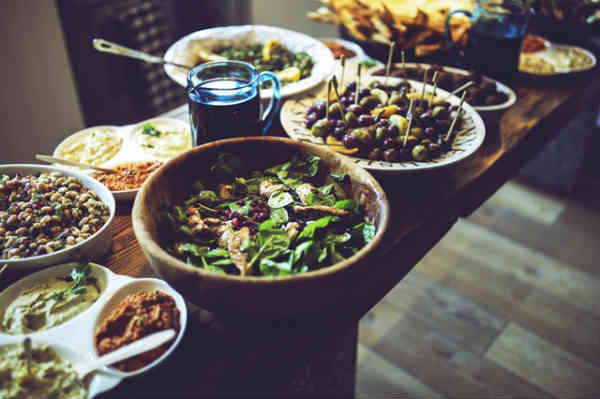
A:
(150, 130)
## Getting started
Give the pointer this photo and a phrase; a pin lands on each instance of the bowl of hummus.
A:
(51, 297)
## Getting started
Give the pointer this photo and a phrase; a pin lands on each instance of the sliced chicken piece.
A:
(207, 225)
(225, 191)
(239, 259)
(267, 188)
(318, 211)
(292, 230)
(304, 191)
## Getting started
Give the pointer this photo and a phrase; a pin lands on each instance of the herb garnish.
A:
(81, 276)
(150, 130)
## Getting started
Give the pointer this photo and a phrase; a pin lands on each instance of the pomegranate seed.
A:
(235, 222)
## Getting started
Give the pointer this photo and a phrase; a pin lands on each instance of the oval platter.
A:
(467, 140)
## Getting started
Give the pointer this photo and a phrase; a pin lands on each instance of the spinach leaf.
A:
(279, 216)
(322, 255)
(311, 227)
(332, 238)
(215, 269)
(334, 255)
(272, 268)
(325, 190)
(179, 214)
(363, 232)
(218, 253)
(221, 262)
(198, 186)
(242, 209)
(227, 166)
(193, 249)
(349, 205)
(239, 187)
(206, 197)
(303, 249)
(340, 177)
(279, 199)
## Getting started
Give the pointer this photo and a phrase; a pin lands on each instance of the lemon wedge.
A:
(338, 146)
(291, 74)
(267, 49)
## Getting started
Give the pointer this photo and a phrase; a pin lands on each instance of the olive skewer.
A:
(458, 111)
(322, 126)
(409, 115)
(358, 72)
(424, 85)
(403, 57)
(389, 63)
(337, 96)
(462, 87)
(343, 64)
(436, 74)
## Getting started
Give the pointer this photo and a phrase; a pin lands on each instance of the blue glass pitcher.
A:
(495, 37)
(224, 101)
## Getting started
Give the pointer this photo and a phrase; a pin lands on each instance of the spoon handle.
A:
(142, 345)
(49, 159)
(113, 48)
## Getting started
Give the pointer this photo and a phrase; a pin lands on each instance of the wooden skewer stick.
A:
(409, 114)
(424, 85)
(357, 83)
(463, 87)
(3, 268)
(27, 350)
(49, 159)
(337, 96)
(329, 84)
(403, 57)
(389, 62)
(343, 62)
(435, 79)
(462, 100)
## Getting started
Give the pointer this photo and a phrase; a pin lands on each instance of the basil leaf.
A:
(349, 205)
(279, 199)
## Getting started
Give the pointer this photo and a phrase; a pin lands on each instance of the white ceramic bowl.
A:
(74, 339)
(92, 248)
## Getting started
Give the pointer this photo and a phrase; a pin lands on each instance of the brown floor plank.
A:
(378, 378)
(541, 362)
(454, 315)
(376, 323)
(446, 367)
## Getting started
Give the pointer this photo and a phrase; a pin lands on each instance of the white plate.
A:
(560, 71)
(467, 140)
(74, 339)
(233, 35)
(130, 151)
(501, 87)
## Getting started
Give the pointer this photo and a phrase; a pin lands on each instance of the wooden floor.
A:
(506, 305)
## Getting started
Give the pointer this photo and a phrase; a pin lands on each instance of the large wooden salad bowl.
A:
(318, 290)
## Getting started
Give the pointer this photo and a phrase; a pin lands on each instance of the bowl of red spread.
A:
(138, 309)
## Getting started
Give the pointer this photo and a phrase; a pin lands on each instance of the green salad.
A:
(273, 222)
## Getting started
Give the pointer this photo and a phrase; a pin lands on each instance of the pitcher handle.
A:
(273, 107)
(447, 26)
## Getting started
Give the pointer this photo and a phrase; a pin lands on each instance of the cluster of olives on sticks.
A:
(483, 92)
(379, 124)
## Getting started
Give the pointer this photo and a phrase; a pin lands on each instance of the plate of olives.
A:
(387, 125)
(486, 94)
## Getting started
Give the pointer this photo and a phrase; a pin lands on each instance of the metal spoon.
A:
(49, 159)
(109, 47)
(142, 345)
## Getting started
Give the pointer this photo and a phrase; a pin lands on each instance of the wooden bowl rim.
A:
(148, 244)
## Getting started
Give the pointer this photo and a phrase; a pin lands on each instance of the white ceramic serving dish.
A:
(74, 339)
(560, 70)
(130, 151)
(92, 248)
(468, 139)
(483, 109)
(181, 52)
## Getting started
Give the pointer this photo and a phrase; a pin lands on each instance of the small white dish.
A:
(358, 51)
(180, 52)
(93, 247)
(79, 331)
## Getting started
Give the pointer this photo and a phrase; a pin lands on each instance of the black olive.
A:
(404, 154)
(390, 155)
(339, 133)
(350, 141)
(321, 107)
(351, 86)
(393, 130)
(356, 109)
(375, 154)
(388, 143)
(434, 149)
(363, 92)
(366, 120)
(381, 134)
(430, 132)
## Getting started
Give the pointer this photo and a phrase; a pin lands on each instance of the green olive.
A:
(419, 153)
(397, 99)
(369, 102)
(351, 119)
(335, 110)
(411, 141)
(426, 142)
(380, 133)
(320, 128)
(418, 110)
(417, 131)
(381, 95)
(363, 136)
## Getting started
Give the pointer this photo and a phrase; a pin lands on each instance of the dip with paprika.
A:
(138, 315)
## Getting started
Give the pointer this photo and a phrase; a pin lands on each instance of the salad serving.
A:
(272, 222)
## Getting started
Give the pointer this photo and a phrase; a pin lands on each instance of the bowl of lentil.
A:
(128, 178)
(50, 215)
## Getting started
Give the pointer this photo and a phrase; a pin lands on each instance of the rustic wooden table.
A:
(315, 354)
